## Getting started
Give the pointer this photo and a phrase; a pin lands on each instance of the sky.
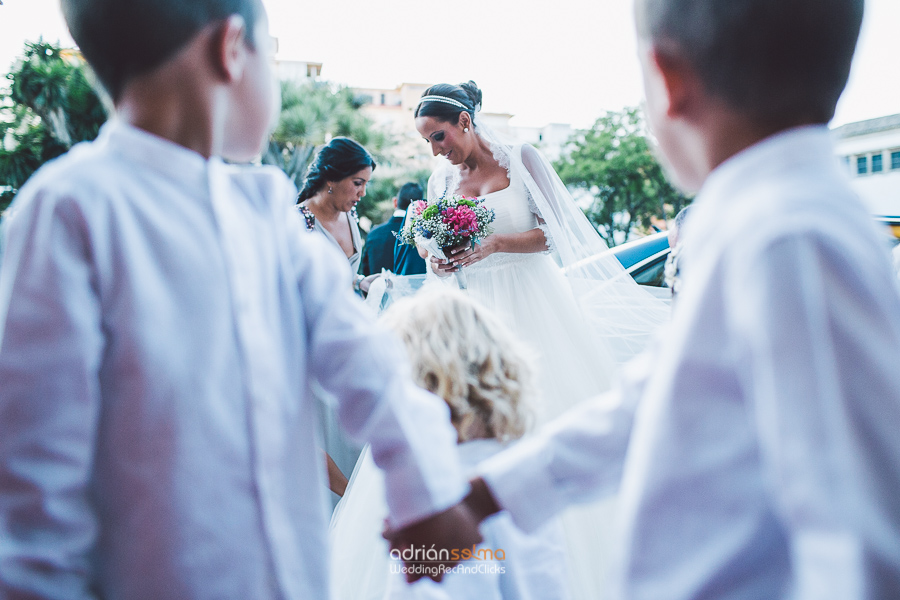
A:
(565, 61)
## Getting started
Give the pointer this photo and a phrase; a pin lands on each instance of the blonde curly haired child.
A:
(462, 353)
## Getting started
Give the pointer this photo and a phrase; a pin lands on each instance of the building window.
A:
(862, 165)
(895, 160)
(877, 167)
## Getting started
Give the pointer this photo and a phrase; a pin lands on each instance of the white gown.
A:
(532, 296)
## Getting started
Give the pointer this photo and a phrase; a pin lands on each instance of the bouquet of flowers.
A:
(446, 222)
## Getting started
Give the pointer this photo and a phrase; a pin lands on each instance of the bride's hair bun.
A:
(474, 93)
(446, 101)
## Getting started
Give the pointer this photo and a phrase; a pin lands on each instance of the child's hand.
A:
(453, 529)
(367, 282)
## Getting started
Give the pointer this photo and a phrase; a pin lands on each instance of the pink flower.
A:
(419, 207)
(461, 219)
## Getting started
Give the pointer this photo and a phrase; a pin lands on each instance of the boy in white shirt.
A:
(162, 318)
(755, 448)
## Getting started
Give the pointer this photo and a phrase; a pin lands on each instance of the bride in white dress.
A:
(547, 273)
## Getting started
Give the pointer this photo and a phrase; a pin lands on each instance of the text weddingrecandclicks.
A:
(442, 569)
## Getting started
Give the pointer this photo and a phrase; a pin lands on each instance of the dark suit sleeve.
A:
(364, 267)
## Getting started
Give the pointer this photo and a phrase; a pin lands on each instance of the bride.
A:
(546, 272)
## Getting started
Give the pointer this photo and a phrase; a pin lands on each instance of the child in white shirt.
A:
(163, 317)
(755, 447)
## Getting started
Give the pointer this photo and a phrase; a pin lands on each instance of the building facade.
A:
(870, 153)
(297, 70)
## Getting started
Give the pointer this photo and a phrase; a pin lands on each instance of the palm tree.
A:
(311, 114)
(49, 106)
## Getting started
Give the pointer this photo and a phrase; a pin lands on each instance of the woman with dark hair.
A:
(335, 182)
(565, 312)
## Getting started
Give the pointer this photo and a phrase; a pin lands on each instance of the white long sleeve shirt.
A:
(758, 441)
(162, 318)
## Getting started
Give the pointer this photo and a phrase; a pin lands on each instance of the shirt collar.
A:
(783, 152)
(166, 158)
(792, 151)
(399, 213)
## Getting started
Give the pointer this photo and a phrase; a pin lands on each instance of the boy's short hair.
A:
(775, 60)
(408, 193)
(122, 39)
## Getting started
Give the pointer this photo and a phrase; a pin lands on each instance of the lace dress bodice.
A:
(513, 213)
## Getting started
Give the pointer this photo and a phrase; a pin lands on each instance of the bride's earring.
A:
(465, 130)
(330, 191)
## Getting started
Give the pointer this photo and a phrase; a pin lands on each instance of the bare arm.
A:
(337, 481)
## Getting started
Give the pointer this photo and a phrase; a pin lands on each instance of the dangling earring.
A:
(330, 191)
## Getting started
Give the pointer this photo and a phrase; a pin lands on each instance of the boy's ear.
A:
(680, 81)
(230, 50)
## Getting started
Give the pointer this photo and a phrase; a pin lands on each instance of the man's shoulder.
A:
(380, 233)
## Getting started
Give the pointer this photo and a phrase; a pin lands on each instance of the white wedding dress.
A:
(532, 296)
(580, 322)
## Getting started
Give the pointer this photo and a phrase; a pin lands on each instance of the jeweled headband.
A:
(443, 99)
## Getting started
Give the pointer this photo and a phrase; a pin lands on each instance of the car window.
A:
(653, 273)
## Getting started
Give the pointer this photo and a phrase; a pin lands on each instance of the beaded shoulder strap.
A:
(307, 216)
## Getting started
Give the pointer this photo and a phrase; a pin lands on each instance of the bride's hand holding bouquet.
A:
(447, 227)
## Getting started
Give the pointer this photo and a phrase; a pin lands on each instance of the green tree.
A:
(613, 163)
(48, 106)
(311, 114)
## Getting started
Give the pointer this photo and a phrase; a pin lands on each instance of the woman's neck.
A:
(480, 157)
(322, 208)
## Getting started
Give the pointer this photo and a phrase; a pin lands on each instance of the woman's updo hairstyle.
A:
(466, 94)
(338, 159)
